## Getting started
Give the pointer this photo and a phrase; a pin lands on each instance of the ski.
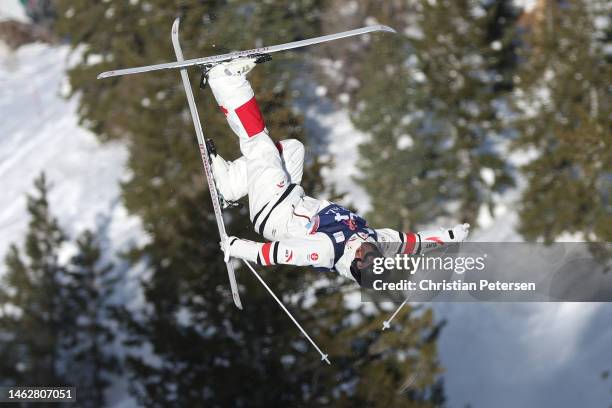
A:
(247, 53)
(205, 158)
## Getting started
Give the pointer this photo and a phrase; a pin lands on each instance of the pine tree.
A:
(565, 117)
(89, 338)
(31, 309)
(429, 101)
(52, 312)
(402, 163)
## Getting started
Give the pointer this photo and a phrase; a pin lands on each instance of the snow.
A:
(335, 137)
(418, 76)
(404, 142)
(39, 131)
(526, 5)
(601, 22)
(349, 8)
(488, 175)
(523, 354)
(12, 10)
(413, 32)
(371, 20)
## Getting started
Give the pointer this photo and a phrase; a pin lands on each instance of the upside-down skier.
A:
(301, 230)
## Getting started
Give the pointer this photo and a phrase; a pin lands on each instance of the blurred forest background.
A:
(465, 87)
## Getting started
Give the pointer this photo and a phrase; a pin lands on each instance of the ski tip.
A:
(105, 74)
(387, 29)
(237, 301)
(175, 24)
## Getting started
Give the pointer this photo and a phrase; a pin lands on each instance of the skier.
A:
(301, 230)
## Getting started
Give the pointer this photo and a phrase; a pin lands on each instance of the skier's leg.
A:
(266, 177)
(292, 155)
(230, 177)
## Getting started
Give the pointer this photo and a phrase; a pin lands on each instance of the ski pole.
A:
(323, 355)
(386, 323)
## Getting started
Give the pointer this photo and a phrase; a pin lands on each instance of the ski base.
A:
(205, 160)
(215, 59)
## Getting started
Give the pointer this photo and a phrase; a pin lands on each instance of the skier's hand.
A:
(233, 247)
(460, 232)
(226, 244)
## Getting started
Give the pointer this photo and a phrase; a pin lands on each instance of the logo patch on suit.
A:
(288, 255)
(339, 236)
(314, 256)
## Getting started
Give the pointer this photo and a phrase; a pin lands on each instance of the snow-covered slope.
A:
(39, 132)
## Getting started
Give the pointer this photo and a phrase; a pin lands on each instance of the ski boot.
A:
(238, 66)
(212, 155)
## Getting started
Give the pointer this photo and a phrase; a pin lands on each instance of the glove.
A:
(460, 232)
(233, 247)
(435, 238)
(226, 243)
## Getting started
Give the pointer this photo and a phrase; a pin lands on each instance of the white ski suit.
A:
(270, 173)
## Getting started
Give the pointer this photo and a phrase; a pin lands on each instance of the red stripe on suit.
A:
(250, 117)
(265, 251)
(410, 242)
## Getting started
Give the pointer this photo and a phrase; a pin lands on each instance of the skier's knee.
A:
(292, 149)
(293, 159)
(220, 170)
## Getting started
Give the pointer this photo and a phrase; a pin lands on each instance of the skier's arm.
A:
(396, 242)
(392, 242)
(314, 251)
